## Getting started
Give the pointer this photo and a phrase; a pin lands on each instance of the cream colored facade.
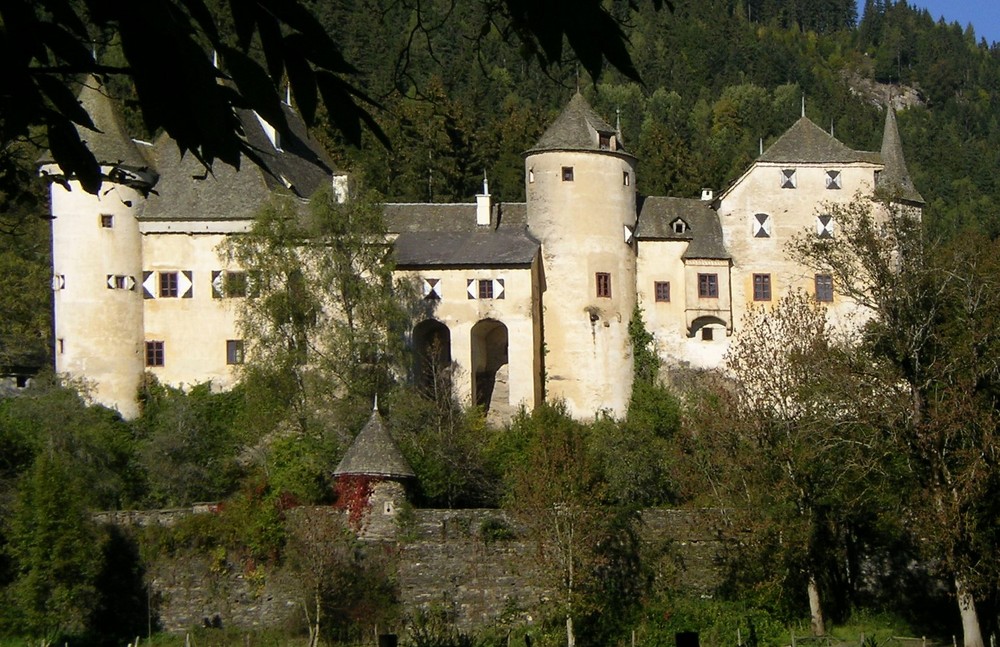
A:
(524, 302)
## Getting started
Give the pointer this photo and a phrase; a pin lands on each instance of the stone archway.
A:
(432, 357)
(490, 387)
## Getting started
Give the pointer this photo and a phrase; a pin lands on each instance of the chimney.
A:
(483, 204)
(707, 195)
(340, 192)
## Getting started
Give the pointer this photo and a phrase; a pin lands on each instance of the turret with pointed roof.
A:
(895, 178)
(374, 453)
(579, 128)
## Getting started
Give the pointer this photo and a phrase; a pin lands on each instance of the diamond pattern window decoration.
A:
(833, 180)
(788, 178)
(824, 226)
(762, 225)
(432, 288)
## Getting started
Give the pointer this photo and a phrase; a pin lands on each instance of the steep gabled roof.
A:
(186, 191)
(403, 217)
(805, 142)
(374, 453)
(895, 179)
(656, 215)
(575, 129)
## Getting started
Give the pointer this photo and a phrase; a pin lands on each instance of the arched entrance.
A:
(489, 366)
(432, 352)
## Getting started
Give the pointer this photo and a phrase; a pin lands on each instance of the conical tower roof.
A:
(805, 142)
(577, 128)
(895, 179)
(374, 453)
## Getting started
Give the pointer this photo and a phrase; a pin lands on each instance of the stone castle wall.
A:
(471, 562)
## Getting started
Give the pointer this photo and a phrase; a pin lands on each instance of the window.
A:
(567, 173)
(604, 141)
(762, 225)
(824, 288)
(235, 284)
(432, 289)
(878, 174)
(120, 282)
(168, 285)
(603, 285)
(626, 179)
(761, 287)
(824, 226)
(661, 290)
(62, 345)
(485, 288)
(708, 286)
(679, 226)
(787, 178)
(107, 220)
(531, 176)
(706, 334)
(833, 180)
(154, 353)
(234, 351)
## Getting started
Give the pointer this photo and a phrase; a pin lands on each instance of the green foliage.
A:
(717, 622)
(187, 443)
(56, 551)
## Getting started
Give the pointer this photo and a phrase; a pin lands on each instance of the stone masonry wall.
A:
(471, 562)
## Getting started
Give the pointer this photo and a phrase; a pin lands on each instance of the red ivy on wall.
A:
(353, 492)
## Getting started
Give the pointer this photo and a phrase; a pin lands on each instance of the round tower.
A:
(97, 263)
(581, 205)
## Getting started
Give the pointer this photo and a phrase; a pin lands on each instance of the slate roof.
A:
(657, 215)
(465, 249)
(112, 146)
(403, 217)
(895, 179)
(575, 129)
(805, 142)
(187, 192)
(374, 453)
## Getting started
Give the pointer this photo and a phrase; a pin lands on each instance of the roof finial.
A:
(375, 408)
(215, 58)
(803, 105)
(486, 184)
(831, 127)
(761, 146)
(288, 93)
(618, 122)
(578, 78)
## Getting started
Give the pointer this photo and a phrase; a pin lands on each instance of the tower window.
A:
(154, 353)
(567, 173)
(626, 178)
(661, 291)
(706, 334)
(604, 140)
(107, 220)
(604, 285)
(761, 287)
(708, 286)
(531, 176)
(234, 351)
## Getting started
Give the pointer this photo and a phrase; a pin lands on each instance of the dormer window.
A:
(679, 226)
(787, 178)
(604, 141)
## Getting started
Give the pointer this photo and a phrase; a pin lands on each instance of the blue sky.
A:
(983, 14)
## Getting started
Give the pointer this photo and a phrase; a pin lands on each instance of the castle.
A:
(529, 300)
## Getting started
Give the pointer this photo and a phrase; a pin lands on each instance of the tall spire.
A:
(895, 178)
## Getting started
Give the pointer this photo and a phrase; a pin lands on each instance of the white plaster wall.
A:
(98, 331)
(588, 356)
(195, 330)
(793, 212)
(517, 311)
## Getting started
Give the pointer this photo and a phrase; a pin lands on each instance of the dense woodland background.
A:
(718, 79)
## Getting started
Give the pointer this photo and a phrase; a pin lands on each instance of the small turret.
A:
(894, 180)
(371, 480)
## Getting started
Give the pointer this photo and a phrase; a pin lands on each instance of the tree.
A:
(585, 551)
(49, 45)
(56, 551)
(934, 312)
(324, 321)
